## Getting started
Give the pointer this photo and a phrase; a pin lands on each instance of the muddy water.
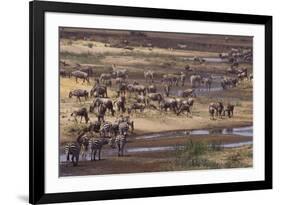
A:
(240, 131)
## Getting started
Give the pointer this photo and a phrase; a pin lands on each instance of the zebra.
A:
(72, 148)
(136, 106)
(82, 113)
(123, 128)
(120, 142)
(96, 145)
(106, 129)
(79, 93)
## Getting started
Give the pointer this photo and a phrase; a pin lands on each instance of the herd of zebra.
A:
(102, 132)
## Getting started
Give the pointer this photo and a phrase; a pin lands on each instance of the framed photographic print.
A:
(140, 102)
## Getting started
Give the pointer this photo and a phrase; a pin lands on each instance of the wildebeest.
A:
(80, 74)
(218, 106)
(99, 91)
(151, 89)
(154, 97)
(229, 83)
(136, 106)
(94, 127)
(119, 80)
(81, 113)
(168, 103)
(105, 101)
(223, 55)
(140, 89)
(229, 110)
(104, 77)
(199, 60)
(64, 73)
(187, 68)
(182, 78)
(120, 103)
(87, 70)
(207, 82)
(121, 88)
(148, 76)
(188, 93)
(141, 99)
(119, 73)
(182, 108)
(79, 93)
(167, 88)
(195, 80)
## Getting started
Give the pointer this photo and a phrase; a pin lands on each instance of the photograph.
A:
(134, 101)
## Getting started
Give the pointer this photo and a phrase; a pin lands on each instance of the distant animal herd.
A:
(142, 96)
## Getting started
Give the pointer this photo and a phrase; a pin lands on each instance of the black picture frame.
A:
(37, 11)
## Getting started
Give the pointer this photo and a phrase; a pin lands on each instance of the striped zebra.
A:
(96, 145)
(72, 148)
(106, 129)
(120, 142)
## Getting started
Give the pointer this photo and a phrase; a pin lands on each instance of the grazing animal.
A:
(188, 93)
(99, 91)
(72, 148)
(184, 107)
(94, 127)
(229, 110)
(120, 103)
(105, 101)
(106, 129)
(182, 78)
(154, 97)
(119, 80)
(104, 77)
(120, 142)
(123, 128)
(96, 145)
(140, 89)
(79, 93)
(141, 99)
(229, 83)
(80, 74)
(218, 106)
(81, 113)
(207, 82)
(148, 76)
(251, 76)
(119, 73)
(168, 103)
(167, 89)
(195, 80)
(151, 89)
(121, 89)
(87, 70)
(199, 60)
(136, 106)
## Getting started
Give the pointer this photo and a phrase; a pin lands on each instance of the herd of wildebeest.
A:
(134, 96)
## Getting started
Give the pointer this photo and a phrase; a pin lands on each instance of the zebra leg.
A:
(99, 154)
(95, 152)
